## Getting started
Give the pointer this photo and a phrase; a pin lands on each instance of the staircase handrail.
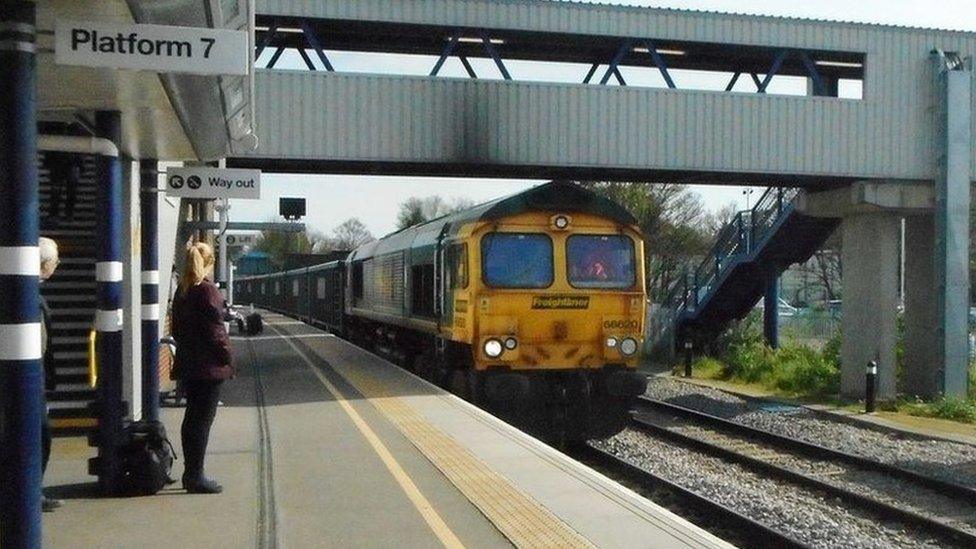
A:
(737, 237)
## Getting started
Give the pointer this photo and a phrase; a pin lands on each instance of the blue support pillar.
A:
(149, 210)
(21, 377)
(108, 315)
(771, 309)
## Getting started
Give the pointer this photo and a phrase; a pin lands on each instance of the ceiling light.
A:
(281, 29)
(661, 51)
(839, 64)
(473, 40)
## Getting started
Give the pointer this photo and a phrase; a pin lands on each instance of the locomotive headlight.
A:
(493, 348)
(560, 222)
(628, 346)
(511, 343)
(611, 342)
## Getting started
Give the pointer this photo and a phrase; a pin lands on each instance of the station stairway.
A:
(757, 244)
(70, 295)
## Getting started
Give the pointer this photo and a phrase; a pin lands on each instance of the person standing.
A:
(203, 360)
(49, 263)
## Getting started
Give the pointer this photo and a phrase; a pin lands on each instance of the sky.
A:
(331, 199)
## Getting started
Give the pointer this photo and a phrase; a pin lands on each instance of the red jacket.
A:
(202, 344)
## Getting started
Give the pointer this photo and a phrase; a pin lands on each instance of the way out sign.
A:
(158, 48)
(202, 182)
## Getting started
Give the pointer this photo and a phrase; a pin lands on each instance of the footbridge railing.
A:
(747, 232)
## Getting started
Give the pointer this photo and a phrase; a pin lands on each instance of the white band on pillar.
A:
(20, 260)
(108, 321)
(150, 311)
(108, 271)
(150, 277)
(20, 341)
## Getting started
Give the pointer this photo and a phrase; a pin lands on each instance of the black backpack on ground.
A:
(254, 324)
(146, 457)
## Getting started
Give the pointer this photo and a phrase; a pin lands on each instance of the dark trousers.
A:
(45, 442)
(201, 407)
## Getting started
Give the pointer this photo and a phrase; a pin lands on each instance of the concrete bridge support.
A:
(952, 199)
(922, 372)
(872, 213)
(871, 243)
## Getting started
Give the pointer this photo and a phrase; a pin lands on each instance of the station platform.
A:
(321, 444)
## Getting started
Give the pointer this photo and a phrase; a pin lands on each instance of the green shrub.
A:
(972, 380)
(750, 362)
(831, 349)
(707, 367)
(801, 369)
(946, 408)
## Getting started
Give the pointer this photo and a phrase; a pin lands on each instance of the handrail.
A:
(736, 238)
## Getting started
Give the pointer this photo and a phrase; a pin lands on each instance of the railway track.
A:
(939, 507)
(718, 518)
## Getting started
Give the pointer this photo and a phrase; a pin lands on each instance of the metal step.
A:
(75, 340)
(73, 387)
(71, 355)
(80, 404)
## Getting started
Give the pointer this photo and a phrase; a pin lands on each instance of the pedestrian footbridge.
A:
(685, 125)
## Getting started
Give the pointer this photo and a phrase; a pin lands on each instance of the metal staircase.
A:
(756, 245)
(70, 295)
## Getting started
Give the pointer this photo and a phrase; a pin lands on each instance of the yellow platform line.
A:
(524, 521)
(423, 505)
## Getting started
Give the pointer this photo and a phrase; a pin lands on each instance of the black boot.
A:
(50, 504)
(201, 485)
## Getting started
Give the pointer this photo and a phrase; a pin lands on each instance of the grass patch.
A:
(953, 409)
(809, 374)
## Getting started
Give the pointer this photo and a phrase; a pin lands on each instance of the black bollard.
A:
(688, 347)
(871, 376)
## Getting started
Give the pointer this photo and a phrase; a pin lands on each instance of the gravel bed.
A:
(875, 485)
(951, 461)
(802, 514)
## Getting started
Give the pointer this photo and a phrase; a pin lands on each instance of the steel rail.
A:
(946, 487)
(756, 532)
(882, 508)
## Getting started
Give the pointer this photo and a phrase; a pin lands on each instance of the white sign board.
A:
(159, 48)
(204, 182)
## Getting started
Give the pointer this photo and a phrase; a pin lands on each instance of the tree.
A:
(416, 210)
(279, 244)
(349, 235)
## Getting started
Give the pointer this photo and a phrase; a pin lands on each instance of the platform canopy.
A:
(164, 116)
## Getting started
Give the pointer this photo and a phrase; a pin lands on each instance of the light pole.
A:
(747, 192)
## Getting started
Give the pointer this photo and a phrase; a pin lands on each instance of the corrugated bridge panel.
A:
(479, 127)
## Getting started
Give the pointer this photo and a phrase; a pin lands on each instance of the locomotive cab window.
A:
(517, 260)
(600, 261)
(357, 279)
(422, 290)
(457, 255)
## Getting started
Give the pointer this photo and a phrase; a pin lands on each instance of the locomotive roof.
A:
(555, 196)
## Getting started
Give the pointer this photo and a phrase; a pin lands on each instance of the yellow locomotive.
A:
(531, 306)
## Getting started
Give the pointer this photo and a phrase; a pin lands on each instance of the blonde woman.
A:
(203, 360)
